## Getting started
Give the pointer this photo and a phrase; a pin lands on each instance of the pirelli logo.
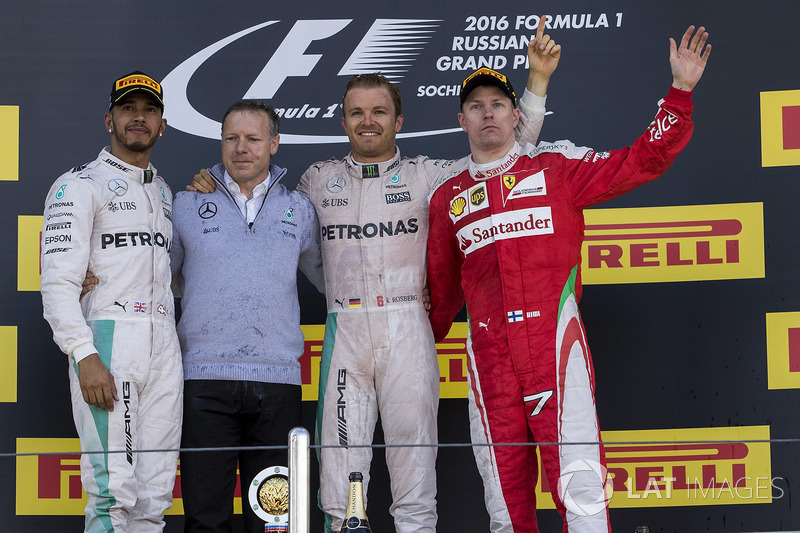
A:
(780, 128)
(29, 239)
(680, 243)
(783, 350)
(51, 484)
(452, 354)
(9, 143)
(138, 79)
(729, 472)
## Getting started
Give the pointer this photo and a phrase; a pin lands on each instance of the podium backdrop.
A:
(694, 323)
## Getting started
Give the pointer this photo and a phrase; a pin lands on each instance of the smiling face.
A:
(489, 118)
(135, 124)
(247, 148)
(371, 124)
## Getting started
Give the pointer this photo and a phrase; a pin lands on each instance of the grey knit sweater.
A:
(240, 313)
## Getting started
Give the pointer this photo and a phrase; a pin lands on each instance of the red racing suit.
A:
(507, 238)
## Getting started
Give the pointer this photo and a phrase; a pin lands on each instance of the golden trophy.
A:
(269, 498)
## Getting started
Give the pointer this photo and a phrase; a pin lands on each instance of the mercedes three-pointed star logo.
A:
(207, 210)
(336, 184)
(118, 187)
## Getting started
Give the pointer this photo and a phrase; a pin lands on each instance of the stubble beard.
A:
(133, 146)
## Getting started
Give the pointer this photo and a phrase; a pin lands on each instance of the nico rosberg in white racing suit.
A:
(378, 354)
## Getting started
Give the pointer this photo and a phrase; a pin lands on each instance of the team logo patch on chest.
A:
(470, 201)
(117, 186)
(393, 198)
(336, 184)
(501, 226)
(334, 202)
(523, 186)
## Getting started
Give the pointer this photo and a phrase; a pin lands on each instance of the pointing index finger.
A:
(540, 27)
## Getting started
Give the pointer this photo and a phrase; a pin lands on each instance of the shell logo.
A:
(457, 207)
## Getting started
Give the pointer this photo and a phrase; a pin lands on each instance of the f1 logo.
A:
(386, 42)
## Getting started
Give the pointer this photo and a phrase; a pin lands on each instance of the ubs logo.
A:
(207, 210)
(121, 206)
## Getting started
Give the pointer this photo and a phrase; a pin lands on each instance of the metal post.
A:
(299, 481)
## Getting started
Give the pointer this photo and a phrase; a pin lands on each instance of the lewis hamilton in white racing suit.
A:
(113, 215)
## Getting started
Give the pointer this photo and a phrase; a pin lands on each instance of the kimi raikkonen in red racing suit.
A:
(506, 236)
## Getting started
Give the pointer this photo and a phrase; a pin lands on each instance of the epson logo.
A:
(385, 44)
(57, 238)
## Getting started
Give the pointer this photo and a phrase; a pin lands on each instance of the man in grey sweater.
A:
(235, 255)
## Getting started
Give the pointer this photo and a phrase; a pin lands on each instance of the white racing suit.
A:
(378, 354)
(115, 220)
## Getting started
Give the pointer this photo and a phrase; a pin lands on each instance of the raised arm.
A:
(688, 61)
(543, 57)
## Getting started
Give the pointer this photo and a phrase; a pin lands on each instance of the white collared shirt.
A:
(248, 206)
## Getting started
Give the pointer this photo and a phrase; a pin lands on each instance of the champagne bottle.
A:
(355, 520)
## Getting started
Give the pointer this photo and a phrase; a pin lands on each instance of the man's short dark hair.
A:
(372, 81)
(254, 106)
